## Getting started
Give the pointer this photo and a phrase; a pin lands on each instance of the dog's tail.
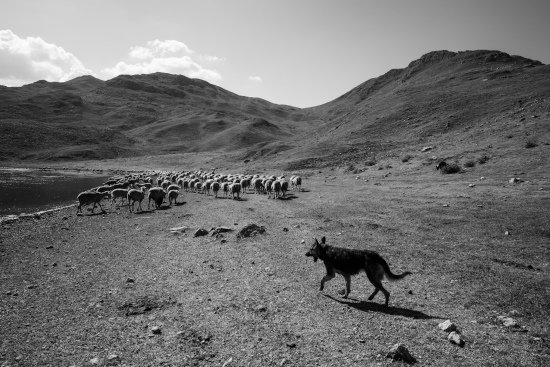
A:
(389, 275)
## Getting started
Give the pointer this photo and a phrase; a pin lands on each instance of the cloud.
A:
(212, 58)
(26, 60)
(255, 79)
(168, 56)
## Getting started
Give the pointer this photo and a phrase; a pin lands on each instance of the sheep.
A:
(207, 185)
(105, 188)
(215, 187)
(225, 188)
(173, 194)
(172, 187)
(185, 185)
(146, 185)
(296, 183)
(245, 183)
(284, 187)
(89, 197)
(133, 196)
(269, 188)
(276, 187)
(258, 186)
(235, 188)
(157, 194)
(118, 193)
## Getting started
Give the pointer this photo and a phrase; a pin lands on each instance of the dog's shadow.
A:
(377, 307)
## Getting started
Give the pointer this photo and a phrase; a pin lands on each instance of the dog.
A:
(348, 262)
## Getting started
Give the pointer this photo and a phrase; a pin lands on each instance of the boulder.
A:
(400, 353)
(447, 326)
(455, 338)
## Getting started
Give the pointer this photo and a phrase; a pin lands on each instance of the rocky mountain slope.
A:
(461, 102)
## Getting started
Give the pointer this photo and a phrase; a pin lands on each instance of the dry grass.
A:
(256, 300)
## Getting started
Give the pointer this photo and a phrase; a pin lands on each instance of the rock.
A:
(445, 205)
(94, 361)
(201, 232)
(156, 330)
(506, 233)
(303, 241)
(176, 230)
(130, 280)
(250, 230)
(112, 360)
(507, 321)
(285, 229)
(455, 338)
(515, 180)
(261, 308)
(49, 247)
(400, 353)
(426, 149)
(471, 185)
(218, 230)
(447, 326)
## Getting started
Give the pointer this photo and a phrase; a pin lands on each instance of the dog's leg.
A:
(348, 285)
(326, 278)
(376, 279)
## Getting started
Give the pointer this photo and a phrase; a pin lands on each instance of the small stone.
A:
(49, 247)
(471, 185)
(447, 326)
(112, 360)
(201, 232)
(303, 241)
(400, 353)
(156, 330)
(65, 217)
(94, 361)
(291, 345)
(506, 233)
(32, 286)
(261, 308)
(285, 229)
(445, 205)
(507, 321)
(455, 338)
(130, 280)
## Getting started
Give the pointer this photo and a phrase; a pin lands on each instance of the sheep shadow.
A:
(181, 203)
(287, 197)
(378, 307)
(82, 214)
(148, 211)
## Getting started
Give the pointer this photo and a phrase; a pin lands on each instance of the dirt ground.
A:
(121, 289)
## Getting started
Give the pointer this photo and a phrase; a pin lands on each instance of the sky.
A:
(301, 53)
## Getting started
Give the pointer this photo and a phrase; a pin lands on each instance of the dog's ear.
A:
(323, 242)
(315, 242)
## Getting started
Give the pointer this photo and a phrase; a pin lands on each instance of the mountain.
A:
(459, 101)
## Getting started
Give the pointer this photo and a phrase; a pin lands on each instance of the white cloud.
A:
(255, 79)
(168, 56)
(26, 60)
(212, 58)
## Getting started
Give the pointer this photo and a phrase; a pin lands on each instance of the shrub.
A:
(470, 163)
(450, 168)
(484, 159)
(370, 162)
(406, 158)
(530, 143)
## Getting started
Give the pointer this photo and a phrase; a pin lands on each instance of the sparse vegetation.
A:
(450, 168)
(531, 143)
(483, 159)
(470, 163)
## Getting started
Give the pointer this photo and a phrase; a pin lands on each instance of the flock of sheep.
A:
(158, 186)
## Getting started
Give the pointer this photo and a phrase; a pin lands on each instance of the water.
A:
(25, 190)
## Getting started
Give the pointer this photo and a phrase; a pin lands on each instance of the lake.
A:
(24, 190)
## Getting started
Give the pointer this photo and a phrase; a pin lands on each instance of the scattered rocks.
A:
(250, 230)
(447, 326)
(400, 353)
(200, 232)
(455, 338)
(219, 230)
(507, 321)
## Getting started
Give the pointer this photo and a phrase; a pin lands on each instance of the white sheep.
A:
(118, 193)
(235, 188)
(215, 187)
(173, 194)
(296, 183)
